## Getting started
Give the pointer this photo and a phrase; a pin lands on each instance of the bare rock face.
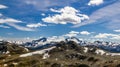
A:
(6, 47)
(71, 45)
(3, 47)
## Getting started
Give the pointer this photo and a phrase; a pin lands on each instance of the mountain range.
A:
(70, 52)
(45, 42)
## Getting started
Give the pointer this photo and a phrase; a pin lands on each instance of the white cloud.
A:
(72, 34)
(35, 25)
(110, 15)
(8, 20)
(117, 30)
(45, 4)
(95, 2)
(116, 37)
(85, 33)
(2, 6)
(4, 26)
(20, 27)
(76, 34)
(67, 15)
(108, 35)
(104, 35)
(1, 14)
(11, 22)
(43, 14)
(56, 38)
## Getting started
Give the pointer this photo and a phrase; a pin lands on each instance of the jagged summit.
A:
(46, 42)
(43, 39)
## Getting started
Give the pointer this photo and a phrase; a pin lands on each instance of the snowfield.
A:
(98, 51)
(37, 52)
(102, 52)
(113, 54)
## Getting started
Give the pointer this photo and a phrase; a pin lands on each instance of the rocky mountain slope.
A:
(62, 54)
(11, 48)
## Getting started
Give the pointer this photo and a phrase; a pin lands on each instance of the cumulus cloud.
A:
(108, 35)
(76, 33)
(35, 25)
(72, 34)
(104, 35)
(85, 33)
(56, 38)
(2, 6)
(67, 15)
(110, 15)
(116, 37)
(95, 2)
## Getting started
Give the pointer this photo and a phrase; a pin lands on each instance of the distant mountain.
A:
(38, 44)
(46, 42)
(108, 46)
(40, 40)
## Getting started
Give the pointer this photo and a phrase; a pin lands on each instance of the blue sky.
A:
(96, 19)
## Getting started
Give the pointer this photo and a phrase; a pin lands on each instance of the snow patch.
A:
(45, 56)
(113, 54)
(26, 49)
(56, 59)
(5, 65)
(101, 52)
(3, 59)
(9, 55)
(7, 52)
(37, 52)
(85, 49)
(15, 63)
